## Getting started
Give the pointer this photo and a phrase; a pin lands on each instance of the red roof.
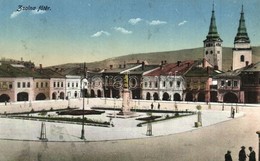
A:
(170, 69)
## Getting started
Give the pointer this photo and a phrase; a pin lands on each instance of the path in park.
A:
(205, 144)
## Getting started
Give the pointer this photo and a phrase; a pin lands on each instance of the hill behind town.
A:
(157, 57)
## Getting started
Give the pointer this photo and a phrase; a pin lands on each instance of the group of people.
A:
(242, 155)
(157, 106)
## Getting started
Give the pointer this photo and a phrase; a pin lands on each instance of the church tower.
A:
(242, 51)
(213, 44)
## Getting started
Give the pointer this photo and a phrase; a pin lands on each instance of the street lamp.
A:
(258, 133)
(84, 83)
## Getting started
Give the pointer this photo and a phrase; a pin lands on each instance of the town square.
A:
(130, 80)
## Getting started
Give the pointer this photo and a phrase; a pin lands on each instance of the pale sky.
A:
(93, 30)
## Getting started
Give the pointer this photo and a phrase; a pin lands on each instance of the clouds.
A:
(15, 14)
(122, 30)
(134, 21)
(157, 22)
(182, 23)
(32, 12)
(100, 33)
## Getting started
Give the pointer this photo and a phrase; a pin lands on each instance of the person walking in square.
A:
(159, 106)
(152, 106)
(228, 156)
(242, 154)
(251, 155)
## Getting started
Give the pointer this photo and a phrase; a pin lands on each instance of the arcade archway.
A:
(166, 96)
(40, 96)
(230, 98)
(22, 96)
(176, 97)
(4, 98)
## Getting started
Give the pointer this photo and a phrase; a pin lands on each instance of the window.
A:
(156, 84)
(207, 52)
(28, 85)
(164, 83)
(150, 84)
(235, 83)
(211, 52)
(229, 83)
(178, 83)
(24, 84)
(46, 84)
(218, 52)
(222, 83)
(145, 84)
(61, 84)
(242, 58)
(41, 84)
(37, 84)
(171, 83)
(77, 84)
(72, 85)
(58, 84)
(68, 84)
(10, 85)
(54, 84)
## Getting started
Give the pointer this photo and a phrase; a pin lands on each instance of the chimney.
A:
(204, 63)
(165, 62)
(247, 63)
(124, 64)
(120, 66)
(178, 63)
(40, 66)
(142, 65)
(188, 64)
(208, 70)
(215, 67)
(161, 62)
(137, 61)
(111, 66)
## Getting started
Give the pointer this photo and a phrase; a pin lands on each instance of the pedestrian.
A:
(228, 156)
(242, 154)
(251, 154)
(233, 112)
(159, 106)
(152, 106)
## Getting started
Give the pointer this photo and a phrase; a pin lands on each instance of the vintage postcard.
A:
(129, 80)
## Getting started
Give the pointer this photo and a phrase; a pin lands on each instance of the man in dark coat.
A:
(152, 106)
(228, 156)
(242, 154)
(251, 154)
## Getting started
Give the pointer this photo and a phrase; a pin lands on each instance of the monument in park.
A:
(126, 108)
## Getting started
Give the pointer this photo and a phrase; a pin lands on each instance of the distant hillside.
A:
(157, 57)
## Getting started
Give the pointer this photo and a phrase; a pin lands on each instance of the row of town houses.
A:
(190, 80)
(179, 81)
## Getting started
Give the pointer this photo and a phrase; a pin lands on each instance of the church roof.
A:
(242, 35)
(213, 32)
